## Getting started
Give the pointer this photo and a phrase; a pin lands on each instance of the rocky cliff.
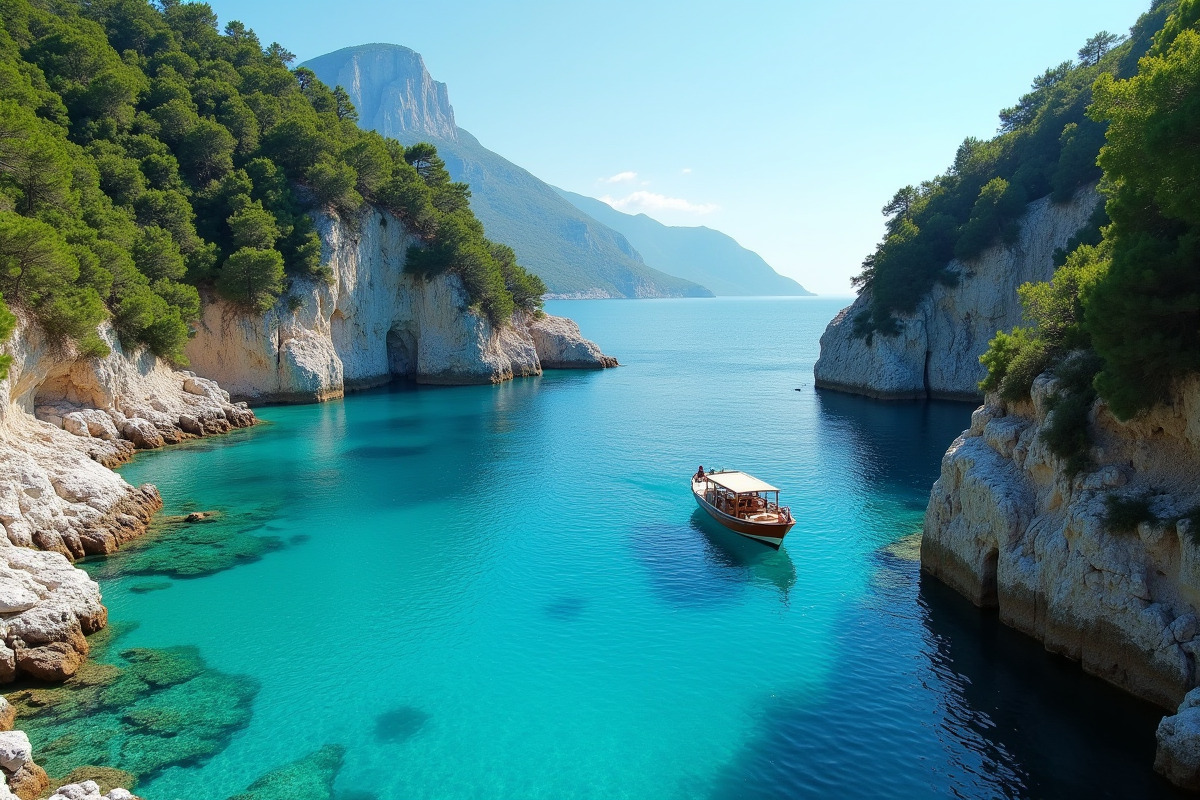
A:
(369, 323)
(575, 255)
(64, 421)
(936, 354)
(1007, 528)
(392, 91)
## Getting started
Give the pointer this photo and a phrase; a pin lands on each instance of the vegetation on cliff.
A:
(144, 154)
(1121, 319)
(1047, 145)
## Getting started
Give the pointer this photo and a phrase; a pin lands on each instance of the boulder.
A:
(1178, 755)
(560, 345)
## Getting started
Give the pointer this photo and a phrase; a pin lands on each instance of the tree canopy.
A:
(1121, 318)
(143, 154)
(1047, 145)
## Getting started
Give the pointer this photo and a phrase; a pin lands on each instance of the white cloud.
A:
(685, 171)
(620, 177)
(649, 201)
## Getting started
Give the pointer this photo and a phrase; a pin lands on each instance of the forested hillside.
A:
(144, 154)
(1047, 145)
(1121, 318)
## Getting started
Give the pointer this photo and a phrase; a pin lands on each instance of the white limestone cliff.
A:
(1009, 530)
(64, 420)
(936, 354)
(372, 322)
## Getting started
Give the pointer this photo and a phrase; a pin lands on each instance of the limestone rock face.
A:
(64, 421)
(1178, 755)
(89, 790)
(1008, 529)
(936, 354)
(393, 92)
(560, 345)
(369, 323)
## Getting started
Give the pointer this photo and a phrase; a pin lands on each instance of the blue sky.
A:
(784, 124)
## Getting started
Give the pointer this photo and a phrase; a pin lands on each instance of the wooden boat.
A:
(744, 504)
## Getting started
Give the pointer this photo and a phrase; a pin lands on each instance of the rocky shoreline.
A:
(1008, 528)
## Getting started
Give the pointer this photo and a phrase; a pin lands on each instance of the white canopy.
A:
(740, 482)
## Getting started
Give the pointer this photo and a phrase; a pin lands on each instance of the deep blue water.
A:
(506, 592)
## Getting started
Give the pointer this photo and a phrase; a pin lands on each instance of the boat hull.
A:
(769, 533)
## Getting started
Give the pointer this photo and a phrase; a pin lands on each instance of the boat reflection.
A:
(756, 562)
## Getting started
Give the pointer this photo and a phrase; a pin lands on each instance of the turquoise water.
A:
(506, 592)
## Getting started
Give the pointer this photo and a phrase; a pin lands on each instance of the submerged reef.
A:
(136, 711)
(178, 548)
(310, 778)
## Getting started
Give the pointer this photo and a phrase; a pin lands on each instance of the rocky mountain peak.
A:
(391, 89)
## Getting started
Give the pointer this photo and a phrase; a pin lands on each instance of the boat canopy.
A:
(740, 482)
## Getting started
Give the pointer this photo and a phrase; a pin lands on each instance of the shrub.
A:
(1124, 514)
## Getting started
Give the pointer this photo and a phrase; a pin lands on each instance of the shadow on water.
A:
(892, 443)
(1068, 734)
(935, 698)
(400, 724)
(566, 609)
(704, 564)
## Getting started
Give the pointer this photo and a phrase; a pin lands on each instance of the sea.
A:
(508, 592)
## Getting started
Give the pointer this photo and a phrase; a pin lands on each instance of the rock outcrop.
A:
(1007, 528)
(371, 322)
(1178, 755)
(64, 421)
(936, 353)
(560, 345)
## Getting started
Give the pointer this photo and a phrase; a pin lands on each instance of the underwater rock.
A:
(8, 715)
(138, 712)
(176, 548)
(310, 777)
(400, 724)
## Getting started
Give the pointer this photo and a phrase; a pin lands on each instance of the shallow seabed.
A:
(506, 592)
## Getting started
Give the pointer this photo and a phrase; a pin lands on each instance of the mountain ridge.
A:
(574, 254)
(698, 253)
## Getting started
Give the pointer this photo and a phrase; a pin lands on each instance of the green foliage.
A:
(144, 154)
(252, 278)
(8, 323)
(1124, 514)
(1047, 145)
(1067, 432)
(1144, 318)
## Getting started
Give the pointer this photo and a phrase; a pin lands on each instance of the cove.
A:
(507, 592)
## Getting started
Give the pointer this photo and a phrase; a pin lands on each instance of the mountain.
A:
(699, 254)
(573, 253)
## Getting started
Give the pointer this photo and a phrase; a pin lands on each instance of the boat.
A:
(744, 504)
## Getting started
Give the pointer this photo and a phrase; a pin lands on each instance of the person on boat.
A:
(699, 476)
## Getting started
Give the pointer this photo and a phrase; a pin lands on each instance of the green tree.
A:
(254, 227)
(1096, 48)
(252, 278)
(1144, 317)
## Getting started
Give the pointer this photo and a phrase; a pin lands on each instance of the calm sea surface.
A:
(506, 592)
